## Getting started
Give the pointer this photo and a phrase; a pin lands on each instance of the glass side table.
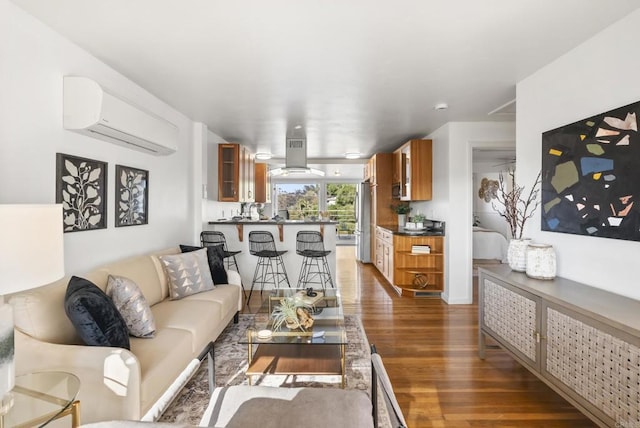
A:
(41, 397)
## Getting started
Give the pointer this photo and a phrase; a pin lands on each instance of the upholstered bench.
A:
(269, 407)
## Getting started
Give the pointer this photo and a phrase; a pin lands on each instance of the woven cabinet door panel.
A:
(599, 367)
(512, 317)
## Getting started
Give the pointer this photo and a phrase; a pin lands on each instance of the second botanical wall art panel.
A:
(591, 176)
(132, 196)
(81, 188)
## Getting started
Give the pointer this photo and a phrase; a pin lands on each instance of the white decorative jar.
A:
(402, 219)
(517, 254)
(541, 261)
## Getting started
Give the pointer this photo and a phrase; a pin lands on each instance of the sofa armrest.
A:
(109, 377)
(234, 278)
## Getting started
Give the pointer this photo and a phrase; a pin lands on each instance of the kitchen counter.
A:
(396, 230)
(283, 222)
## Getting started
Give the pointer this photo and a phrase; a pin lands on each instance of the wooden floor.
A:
(430, 351)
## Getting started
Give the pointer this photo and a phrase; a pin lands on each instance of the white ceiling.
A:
(358, 75)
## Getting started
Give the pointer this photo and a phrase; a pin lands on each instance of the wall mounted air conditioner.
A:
(92, 110)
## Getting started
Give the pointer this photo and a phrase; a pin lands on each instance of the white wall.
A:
(595, 77)
(453, 192)
(33, 61)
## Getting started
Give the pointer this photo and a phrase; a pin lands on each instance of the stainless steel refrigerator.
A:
(363, 220)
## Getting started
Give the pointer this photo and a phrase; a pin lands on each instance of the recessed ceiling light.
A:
(441, 106)
(263, 156)
(297, 127)
(353, 155)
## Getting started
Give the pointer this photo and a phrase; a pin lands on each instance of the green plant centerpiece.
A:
(419, 218)
(292, 312)
(401, 208)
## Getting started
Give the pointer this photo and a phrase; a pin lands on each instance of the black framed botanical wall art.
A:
(81, 188)
(132, 196)
(591, 176)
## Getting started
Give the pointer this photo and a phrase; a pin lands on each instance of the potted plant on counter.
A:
(419, 219)
(402, 210)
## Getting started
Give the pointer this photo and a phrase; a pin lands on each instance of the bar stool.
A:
(210, 238)
(310, 245)
(262, 245)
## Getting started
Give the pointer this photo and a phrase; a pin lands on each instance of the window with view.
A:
(299, 200)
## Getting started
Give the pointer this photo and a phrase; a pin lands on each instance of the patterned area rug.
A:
(231, 364)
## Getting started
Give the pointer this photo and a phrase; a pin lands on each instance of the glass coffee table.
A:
(41, 397)
(320, 350)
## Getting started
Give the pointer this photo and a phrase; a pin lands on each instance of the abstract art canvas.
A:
(591, 176)
(81, 188)
(132, 196)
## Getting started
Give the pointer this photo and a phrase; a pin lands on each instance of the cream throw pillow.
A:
(187, 273)
(132, 305)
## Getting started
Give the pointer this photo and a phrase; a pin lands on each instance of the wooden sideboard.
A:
(582, 341)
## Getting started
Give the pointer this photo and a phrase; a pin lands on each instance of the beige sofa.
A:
(116, 383)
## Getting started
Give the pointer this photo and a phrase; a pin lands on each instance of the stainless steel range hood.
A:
(296, 159)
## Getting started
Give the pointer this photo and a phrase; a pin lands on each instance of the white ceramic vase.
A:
(402, 219)
(541, 261)
(517, 254)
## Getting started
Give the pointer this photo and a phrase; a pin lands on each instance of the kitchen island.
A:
(284, 233)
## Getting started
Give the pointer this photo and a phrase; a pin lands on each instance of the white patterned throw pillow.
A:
(187, 273)
(132, 305)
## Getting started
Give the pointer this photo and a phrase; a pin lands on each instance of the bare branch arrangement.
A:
(516, 210)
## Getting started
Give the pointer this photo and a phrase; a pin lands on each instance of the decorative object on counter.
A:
(402, 210)
(81, 188)
(132, 193)
(541, 261)
(294, 313)
(517, 254)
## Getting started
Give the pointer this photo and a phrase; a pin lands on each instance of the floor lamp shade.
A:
(31, 255)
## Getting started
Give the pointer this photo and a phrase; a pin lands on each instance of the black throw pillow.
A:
(94, 315)
(215, 257)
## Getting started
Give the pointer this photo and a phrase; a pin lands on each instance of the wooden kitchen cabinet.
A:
(411, 274)
(417, 274)
(384, 253)
(415, 170)
(263, 183)
(380, 196)
(397, 167)
(235, 173)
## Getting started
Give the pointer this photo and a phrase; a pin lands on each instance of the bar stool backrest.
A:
(210, 238)
(261, 242)
(309, 240)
